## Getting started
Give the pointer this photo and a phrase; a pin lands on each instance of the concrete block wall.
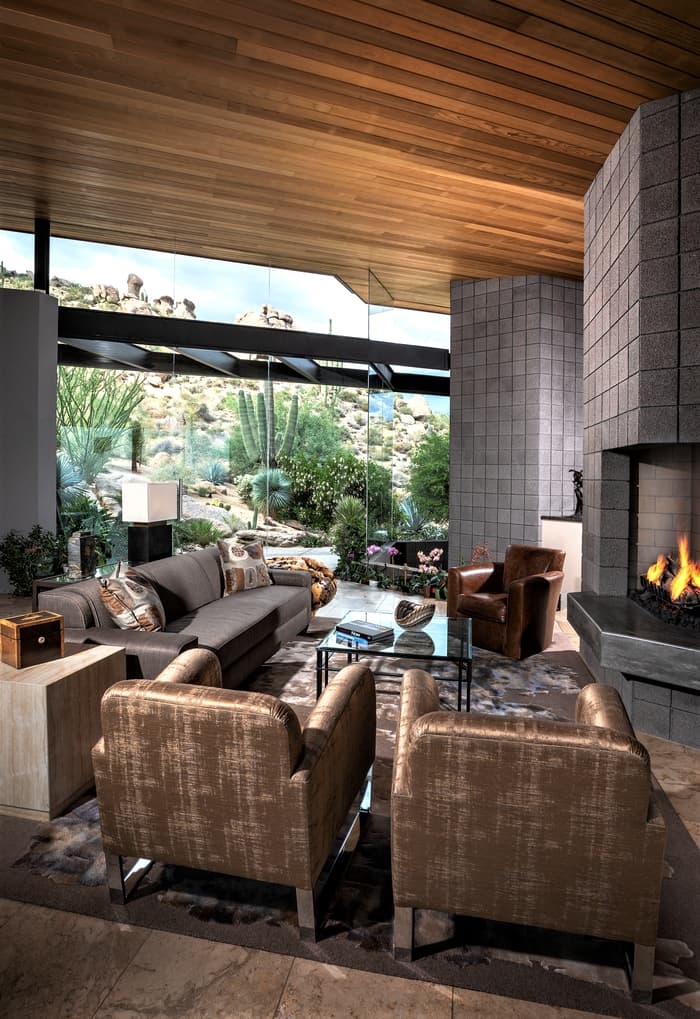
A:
(516, 405)
(641, 319)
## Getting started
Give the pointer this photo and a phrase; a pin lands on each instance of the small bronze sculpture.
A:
(578, 492)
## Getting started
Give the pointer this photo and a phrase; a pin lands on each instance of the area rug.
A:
(60, 864)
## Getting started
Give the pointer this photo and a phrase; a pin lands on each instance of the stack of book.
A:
(357, 631)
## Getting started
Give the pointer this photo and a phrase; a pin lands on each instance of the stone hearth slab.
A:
(626, 638)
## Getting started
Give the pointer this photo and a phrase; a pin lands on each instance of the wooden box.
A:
(31, 638)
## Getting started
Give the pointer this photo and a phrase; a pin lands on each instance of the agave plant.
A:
(270, 492)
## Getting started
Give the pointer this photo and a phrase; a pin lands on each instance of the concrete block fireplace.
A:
(641, 380)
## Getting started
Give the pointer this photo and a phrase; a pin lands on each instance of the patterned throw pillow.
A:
(244, 566)
(131, 604)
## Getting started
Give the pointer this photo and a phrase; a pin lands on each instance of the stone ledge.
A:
(624, 637)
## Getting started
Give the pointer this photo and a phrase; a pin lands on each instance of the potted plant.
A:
(434, 577)
(26, 556)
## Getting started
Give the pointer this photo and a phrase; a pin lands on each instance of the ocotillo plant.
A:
(262, 443)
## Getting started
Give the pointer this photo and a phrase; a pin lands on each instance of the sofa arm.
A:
(339, 746)
(290, 578)
(147, 653)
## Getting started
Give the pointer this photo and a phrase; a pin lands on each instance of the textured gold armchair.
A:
(526, 821)
(228, 780)
(512, 604)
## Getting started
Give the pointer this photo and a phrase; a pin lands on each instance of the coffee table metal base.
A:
(324, 654)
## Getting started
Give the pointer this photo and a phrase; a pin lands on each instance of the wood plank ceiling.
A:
(422, 141)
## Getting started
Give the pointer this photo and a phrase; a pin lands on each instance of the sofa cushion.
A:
(243, 566)
(132, 604)
(183, 582)
(233, 626)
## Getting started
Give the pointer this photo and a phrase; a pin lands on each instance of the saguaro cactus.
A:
(262, 443)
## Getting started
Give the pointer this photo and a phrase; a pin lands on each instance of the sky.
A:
(223, 290)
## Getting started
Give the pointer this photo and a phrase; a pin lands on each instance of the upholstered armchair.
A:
(228, 780)
(512, 603)
(550, 824)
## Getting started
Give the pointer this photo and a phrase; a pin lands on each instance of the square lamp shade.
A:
(148, 502)
(146, 506)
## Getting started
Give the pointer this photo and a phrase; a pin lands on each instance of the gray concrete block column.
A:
(28, 352)
(516, 399)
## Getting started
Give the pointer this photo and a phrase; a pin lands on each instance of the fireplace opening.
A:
(670, 588)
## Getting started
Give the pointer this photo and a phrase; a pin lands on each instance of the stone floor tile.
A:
(677, 770)
(173, 975)
(477, 1005)
(61, 965)
(8, 910)
(333, 992)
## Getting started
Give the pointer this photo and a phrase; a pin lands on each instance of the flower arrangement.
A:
(435, 576)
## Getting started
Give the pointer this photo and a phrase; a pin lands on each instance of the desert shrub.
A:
(94, 408)
(429, 474)
(196, 532)
(319, 483)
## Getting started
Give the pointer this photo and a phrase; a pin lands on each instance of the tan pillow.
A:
(131, 604)
(244, 566)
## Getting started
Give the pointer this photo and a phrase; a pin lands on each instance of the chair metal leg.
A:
(306, 914)
(404, 923)
(115, 878)
(309, 901)
(642, 977)
(121, 885)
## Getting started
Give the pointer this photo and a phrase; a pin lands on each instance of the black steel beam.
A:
(171, 332)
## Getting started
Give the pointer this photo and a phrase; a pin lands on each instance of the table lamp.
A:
(147, 506)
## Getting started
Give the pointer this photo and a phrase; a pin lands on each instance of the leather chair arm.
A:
(532, 603)
(470, 579)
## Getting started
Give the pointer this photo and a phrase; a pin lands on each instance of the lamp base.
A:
(147, 542)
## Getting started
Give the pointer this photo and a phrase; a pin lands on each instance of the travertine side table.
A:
(49, 722)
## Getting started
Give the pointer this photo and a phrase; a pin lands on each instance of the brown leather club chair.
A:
(551, 824)
(512, 604)
(228, 780)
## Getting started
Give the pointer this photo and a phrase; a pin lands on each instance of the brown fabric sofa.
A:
(513, 603)
(526, 821)
(243, 629)
(228, 780)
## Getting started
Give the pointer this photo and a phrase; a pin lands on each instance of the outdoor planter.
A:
(408, 551)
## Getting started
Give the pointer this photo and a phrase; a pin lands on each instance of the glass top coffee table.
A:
(443, 639)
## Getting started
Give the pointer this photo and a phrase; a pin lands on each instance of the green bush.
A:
(196, 532)
(429, 474)
(318, 484)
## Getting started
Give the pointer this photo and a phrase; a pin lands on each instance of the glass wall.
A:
(247, 453)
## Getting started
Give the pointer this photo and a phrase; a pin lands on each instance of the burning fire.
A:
(679, 576)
